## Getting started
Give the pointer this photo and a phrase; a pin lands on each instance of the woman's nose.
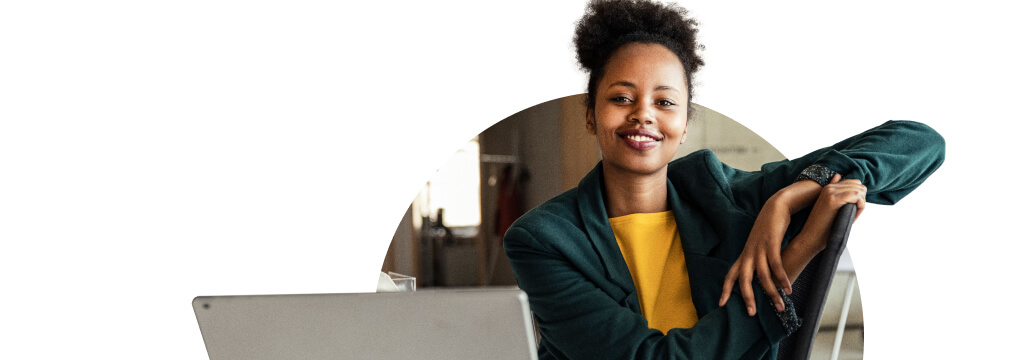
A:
(642, 113)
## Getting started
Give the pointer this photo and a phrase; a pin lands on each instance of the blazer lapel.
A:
(693, 227)
(699, 240)
(594, 216)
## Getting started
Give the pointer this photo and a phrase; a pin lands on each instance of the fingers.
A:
(745, 287)
(852, 191)
(764, 275)
(835, 179)
(778, 270)
(862, 203)
(742, 272)
(726, 290)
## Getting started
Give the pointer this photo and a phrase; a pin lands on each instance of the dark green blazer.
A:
(566, 259)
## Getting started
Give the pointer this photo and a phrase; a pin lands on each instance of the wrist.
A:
(778, 202)
(817, 173)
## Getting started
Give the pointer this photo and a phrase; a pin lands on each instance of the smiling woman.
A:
(640, 260)
(639, 118)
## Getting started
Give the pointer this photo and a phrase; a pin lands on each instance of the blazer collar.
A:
(594, 216)
(697, 236)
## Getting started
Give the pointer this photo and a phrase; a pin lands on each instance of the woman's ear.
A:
(591, 122)
(685, 132)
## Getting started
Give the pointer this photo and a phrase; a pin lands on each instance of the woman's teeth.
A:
(640, 138)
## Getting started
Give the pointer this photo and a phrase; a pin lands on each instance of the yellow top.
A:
(653, 251)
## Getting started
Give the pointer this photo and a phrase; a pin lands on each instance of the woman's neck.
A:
(629, 193)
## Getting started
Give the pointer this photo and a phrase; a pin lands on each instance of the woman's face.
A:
(640, 109)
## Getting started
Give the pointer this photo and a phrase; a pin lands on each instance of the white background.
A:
(153, 153)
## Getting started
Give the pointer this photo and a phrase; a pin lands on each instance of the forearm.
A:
(795, 197)
(763, 248)
(799, 253)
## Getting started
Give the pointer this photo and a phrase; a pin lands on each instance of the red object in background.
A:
(509, 199)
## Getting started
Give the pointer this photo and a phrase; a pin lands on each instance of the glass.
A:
(403, 282)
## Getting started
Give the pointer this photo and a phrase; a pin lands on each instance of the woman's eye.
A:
(619, 99)
(665, 102)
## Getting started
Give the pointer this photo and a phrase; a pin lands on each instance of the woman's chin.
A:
(640, 168)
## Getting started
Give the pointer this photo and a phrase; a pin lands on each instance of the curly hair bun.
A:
(609, 24)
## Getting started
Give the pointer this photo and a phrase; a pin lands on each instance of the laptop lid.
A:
(428, 324)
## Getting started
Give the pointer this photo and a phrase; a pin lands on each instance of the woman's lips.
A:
(639, 139)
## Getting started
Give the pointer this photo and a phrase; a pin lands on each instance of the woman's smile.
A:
(640, 139)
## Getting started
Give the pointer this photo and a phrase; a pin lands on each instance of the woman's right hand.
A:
(836, 194)
(814, 235)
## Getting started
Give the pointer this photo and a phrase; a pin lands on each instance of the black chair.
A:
(811, 288)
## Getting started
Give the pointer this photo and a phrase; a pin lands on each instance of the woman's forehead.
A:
(644, 65)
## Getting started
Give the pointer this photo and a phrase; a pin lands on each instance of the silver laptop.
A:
(428, 324)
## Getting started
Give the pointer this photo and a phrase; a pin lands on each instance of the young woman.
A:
(639, 261)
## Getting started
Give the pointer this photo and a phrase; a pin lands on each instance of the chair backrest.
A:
(811, 288)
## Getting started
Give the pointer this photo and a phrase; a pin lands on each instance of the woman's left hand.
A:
(762, 256)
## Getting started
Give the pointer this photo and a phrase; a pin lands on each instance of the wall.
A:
(527, 136)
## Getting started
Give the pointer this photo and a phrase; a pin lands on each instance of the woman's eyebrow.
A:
(666, 87)
(622, 83)
(631, 85)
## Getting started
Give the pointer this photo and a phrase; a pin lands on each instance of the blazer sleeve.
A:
(578, 320)
(890, 160)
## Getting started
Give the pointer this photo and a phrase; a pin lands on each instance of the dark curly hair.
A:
(609, 24)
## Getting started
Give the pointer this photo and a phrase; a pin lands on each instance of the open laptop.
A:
(428, 324)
